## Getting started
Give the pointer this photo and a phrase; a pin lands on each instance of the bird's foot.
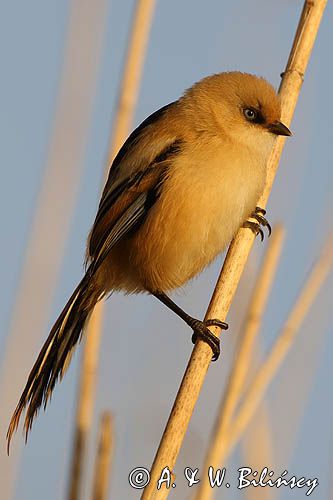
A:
(202, 332)
(259, 221)
(200, 328)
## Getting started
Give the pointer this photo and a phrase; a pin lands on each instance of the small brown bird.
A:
(178, 190)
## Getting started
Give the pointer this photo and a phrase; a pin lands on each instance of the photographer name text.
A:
(139, 478)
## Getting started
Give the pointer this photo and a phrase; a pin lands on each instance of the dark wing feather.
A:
(130, 218)
(132, 138)
(112, 191)
(124, 204)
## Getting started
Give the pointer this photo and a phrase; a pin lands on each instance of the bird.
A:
(183, 183)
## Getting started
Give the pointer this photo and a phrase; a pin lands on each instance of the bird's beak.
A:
(278, 128)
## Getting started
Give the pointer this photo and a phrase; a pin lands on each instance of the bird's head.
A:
(243, 107)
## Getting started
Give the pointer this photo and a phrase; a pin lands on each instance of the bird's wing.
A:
(133, 185)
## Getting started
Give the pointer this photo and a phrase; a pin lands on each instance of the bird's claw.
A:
(259, 215)
(201, 331)
(259, 220)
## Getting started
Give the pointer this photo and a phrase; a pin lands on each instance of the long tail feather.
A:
(55, 354)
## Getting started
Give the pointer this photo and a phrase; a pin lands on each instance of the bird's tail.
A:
(56, 353)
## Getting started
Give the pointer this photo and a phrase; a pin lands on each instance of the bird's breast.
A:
(203, 202)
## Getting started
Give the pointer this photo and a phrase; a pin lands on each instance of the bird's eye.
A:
(250, 114)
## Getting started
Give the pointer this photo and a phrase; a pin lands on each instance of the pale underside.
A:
(201, 206)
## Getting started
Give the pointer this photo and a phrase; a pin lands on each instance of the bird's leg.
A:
(199, 327)
(259, 220)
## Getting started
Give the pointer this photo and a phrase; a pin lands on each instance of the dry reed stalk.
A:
(258, 457)
(85, 404)
(132, 75)
(219, 450)
(104, 458)
(243, 354)
(296, 385)
(123, 120)
(235, 260)
(129, 90)
(45, 246)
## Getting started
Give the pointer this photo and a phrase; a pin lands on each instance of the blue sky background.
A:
(145, 348)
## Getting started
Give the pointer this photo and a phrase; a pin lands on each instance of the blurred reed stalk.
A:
(244, 353)
(51, 220)
(235, 260)
(129, 90)
(104, 458)
(85, 404)
(257, 457)
(220, 448)
(132, 74)
(260, 430)
(257, 451)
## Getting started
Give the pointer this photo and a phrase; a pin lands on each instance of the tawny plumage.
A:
(180, 187)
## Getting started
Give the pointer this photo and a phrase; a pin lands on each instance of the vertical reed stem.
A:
(85, 404)
(104, 458)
